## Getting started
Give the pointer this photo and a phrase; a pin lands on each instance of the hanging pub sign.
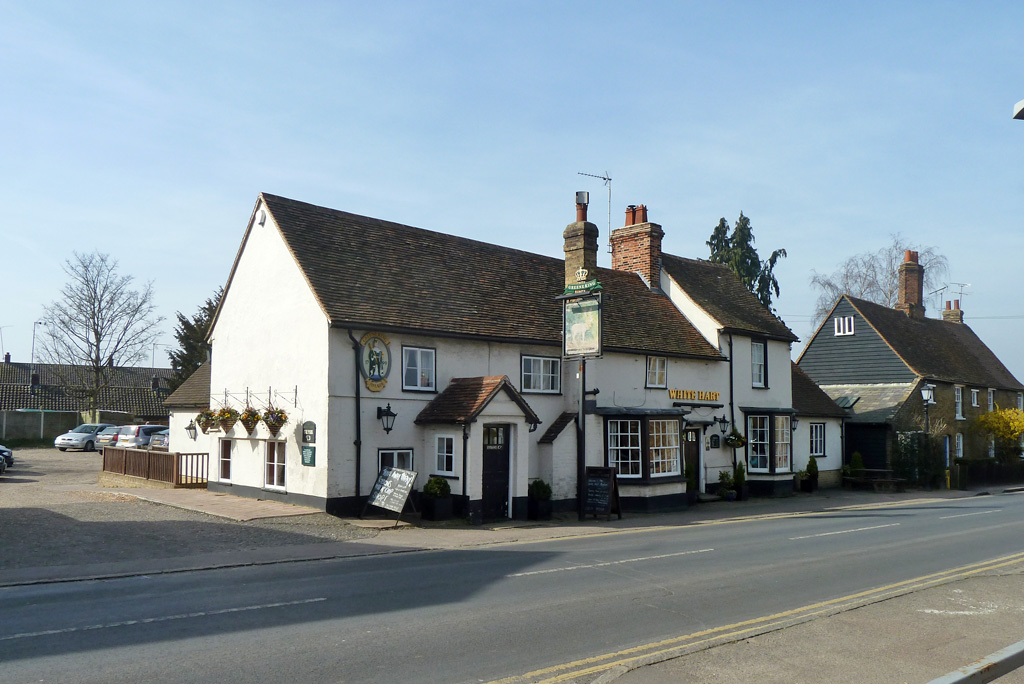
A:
(581, 325)
(375, 360)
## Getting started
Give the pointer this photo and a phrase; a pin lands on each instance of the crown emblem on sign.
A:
(581, 274)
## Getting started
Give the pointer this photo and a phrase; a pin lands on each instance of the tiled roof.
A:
(374, 274)
(937, 349)
(194, 392)
(129, 390)
(870, 403)
(717, 290)
(555, 429)
(810, 400)
(464, 398)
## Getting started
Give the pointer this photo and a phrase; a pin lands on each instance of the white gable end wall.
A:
(701, 319)
(270, 338)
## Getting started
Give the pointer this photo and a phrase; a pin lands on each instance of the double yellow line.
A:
(666, 649)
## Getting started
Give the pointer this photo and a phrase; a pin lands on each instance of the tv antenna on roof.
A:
(608, 182)
(962, 286)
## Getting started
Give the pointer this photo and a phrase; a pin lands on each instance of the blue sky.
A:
(147, 130)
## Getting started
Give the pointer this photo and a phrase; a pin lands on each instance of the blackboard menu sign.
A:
(601, 492)
(392, 489)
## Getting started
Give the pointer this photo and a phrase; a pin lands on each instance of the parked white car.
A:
(135, 436)
(82, 437)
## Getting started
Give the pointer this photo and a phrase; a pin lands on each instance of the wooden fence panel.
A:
(180, 470)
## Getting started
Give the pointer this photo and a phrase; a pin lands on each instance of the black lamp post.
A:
(928, 395)
(386, 417)
(190, 430)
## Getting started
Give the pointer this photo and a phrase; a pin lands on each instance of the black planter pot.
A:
(436, 509)
(692, 497)
(808, 484)
(743, 492)
(538, 509)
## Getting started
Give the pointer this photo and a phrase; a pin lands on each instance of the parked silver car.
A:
(82, 437)
(135, 436)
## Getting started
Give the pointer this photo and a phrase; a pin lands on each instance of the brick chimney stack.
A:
(953, 314)
(636, 247)
(580, 243)
(910, 298)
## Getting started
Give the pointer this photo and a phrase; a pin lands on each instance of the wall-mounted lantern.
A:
(190, 430)
(386, 417)
(723, 424)
(793, 422)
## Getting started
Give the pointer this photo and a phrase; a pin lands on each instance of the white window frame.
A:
(817, 440)
(759, 363)
(1020, 401)
(399, 458)
(444, 449)
(759, 447)
(958, 401)
(783, 444)
(843, 325)
(991, 400)
(663, 447)
(974, 398)
(959, 445)
(991, 447)
(541, 374)
(657, 371)
(426, 378)
(625, 448)
(224, 461)
(274, 465)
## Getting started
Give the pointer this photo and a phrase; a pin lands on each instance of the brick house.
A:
(874, 360)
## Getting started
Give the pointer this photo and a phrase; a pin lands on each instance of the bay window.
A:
(647, 447)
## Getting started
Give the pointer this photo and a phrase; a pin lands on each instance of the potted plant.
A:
(735, 440)
(538, 503)
(691, 486)
(725, 486)
(436, 501)
(227, 417)
(739, 481)
(812, 476)
(274, 419)
(206, 419)
(249, 418)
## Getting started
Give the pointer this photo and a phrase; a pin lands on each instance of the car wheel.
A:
(62, 448)
(88, 446)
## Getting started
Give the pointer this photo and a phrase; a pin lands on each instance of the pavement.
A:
(904, 634)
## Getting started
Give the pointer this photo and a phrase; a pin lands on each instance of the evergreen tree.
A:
(191, 336)
(736, 250)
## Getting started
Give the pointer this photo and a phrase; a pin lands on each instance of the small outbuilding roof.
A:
(194, 392)
(811, 400)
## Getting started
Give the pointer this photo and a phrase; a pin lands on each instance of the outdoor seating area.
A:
(879, 479)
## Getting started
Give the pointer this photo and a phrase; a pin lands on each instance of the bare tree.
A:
(874, 276)
(99, 323)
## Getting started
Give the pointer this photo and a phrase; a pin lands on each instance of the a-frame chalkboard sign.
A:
(391, 491)
(601, 493)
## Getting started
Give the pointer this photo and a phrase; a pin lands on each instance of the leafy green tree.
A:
(736, 250)
(191, 336)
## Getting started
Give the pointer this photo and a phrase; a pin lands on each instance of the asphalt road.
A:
(488, 613)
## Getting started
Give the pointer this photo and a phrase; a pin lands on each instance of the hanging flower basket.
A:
(735, 440)
(227, 417)
(274, 419)
(249, 419)
(206, 419)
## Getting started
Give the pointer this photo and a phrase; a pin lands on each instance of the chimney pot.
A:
(7, 357)
(947, 305)
(956, 304)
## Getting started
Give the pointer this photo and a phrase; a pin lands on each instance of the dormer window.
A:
(843, 325)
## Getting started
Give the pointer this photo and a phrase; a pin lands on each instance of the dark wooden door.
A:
(495, 472)
(691, 453)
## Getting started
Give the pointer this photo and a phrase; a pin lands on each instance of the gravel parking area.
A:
(52, 513)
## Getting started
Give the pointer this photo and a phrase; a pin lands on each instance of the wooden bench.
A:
(879, 479)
